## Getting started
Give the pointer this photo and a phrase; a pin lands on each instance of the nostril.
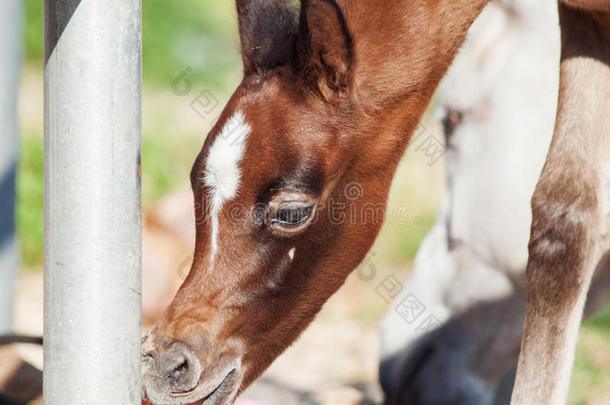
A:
(148, 356)
(181, 369)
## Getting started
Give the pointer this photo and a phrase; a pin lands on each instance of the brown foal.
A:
(332, 91)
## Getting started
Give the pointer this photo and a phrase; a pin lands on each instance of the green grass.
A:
(34, 46)
(591, 377)
(600, 322)
(195, 34)
(166, 165)
(410, 237)
(30, 201)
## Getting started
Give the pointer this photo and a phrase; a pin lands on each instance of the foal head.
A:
(295, 148)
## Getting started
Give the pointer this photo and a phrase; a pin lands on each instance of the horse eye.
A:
(292, 214)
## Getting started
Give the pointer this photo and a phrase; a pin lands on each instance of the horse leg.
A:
(571, 211)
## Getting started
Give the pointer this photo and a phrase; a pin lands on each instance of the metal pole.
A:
(10, 66)
(92, 202)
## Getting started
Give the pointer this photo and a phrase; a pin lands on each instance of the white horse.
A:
(498, 104)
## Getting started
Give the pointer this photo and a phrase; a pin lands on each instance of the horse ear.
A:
(324, 48)
(267, 30)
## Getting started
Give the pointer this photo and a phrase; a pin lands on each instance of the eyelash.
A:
(292, 216)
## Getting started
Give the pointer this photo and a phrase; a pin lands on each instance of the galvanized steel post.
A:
(92, 101)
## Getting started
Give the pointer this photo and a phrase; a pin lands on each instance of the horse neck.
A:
(402, 48)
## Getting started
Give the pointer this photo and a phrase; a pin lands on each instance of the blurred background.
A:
(190, 67)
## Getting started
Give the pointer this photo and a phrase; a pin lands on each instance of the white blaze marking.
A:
(222, 173)
(291, 253)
